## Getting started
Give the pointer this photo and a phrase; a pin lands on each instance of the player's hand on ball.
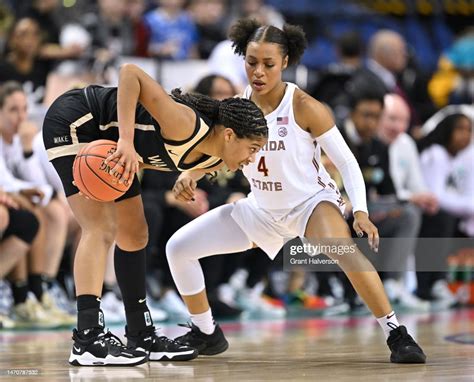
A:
(363, 224)
(126, 157)
(184, 188)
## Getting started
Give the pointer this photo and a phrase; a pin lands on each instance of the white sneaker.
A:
(335, 307)
(6, 298)
(227, 294)
(173, 305)
(392, 289)
(30, 314)
(408, 300)
(52, 310)
(443, 296)
(157, 314)
(61, 299)
(114, 312)
(253, 304)
(6, 322)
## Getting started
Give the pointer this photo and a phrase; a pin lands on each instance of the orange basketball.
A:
(92, 176)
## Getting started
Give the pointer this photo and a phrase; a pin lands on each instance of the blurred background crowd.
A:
(398, 76)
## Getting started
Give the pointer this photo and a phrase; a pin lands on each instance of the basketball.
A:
(92, 176)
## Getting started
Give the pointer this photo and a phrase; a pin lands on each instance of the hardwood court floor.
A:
(335, 349)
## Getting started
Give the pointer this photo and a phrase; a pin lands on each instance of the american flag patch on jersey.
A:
(282, 120)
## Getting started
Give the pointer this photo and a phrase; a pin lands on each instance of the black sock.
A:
(47, 282)
(130, 269)
(19, 291)
(89, 315)
(35, 283)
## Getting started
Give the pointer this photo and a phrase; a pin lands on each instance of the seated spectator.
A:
(111, 32)
(452, 83)
(164, 216)
(141, 32)
(44, 13)
(16, 140)
(463, 179)
(388, 61)
(439, 150)
(18, 229)
(392, 218)
(22, 62)
(173, 34)
(404, 159)
(211, 21)
(330, 86)
(405, 168)
(215, 86)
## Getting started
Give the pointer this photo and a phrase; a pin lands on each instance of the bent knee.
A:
(104, 233)
(134, 238)
(175, 247)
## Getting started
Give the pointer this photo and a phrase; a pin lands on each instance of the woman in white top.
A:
(438, 152)
(443, 152)
(291, 193)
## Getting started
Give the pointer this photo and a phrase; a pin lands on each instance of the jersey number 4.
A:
(262, 167)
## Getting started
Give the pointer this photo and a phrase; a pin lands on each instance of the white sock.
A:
(204, 322)
(388, 323)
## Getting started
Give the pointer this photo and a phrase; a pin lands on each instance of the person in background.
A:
(22, 62)
(330, 87)
(453, 82)
(439, 150)
(211, 18)
(173, 33)
(141, 32)
(394, 218)
(405, 171)
(44, 13)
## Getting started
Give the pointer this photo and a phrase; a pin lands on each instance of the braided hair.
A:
(292, 39)
(239, 114)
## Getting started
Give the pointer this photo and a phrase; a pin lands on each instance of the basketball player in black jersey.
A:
(152, 130)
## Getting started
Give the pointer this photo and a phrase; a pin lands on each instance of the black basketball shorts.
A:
(69, 126)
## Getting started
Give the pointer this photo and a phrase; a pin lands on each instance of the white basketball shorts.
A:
(271, 229)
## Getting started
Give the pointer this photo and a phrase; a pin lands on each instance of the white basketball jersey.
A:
(287, 171)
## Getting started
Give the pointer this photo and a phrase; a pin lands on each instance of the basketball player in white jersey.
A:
(291, 194)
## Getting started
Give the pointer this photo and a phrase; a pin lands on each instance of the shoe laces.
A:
(111, 339)
(189, 325)
(154, 335)
(402, 335)
(168, 340)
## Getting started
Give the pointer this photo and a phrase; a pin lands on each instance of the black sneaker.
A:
(103, 349)
(160, 348)
(206, 344)
(404, 348)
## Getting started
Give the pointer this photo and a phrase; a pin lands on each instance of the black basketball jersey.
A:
(151, 146)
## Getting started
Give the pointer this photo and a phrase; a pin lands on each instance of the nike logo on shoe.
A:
(77, 349)
(141, 301)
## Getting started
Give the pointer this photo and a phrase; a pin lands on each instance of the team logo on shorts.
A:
(282, 131)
